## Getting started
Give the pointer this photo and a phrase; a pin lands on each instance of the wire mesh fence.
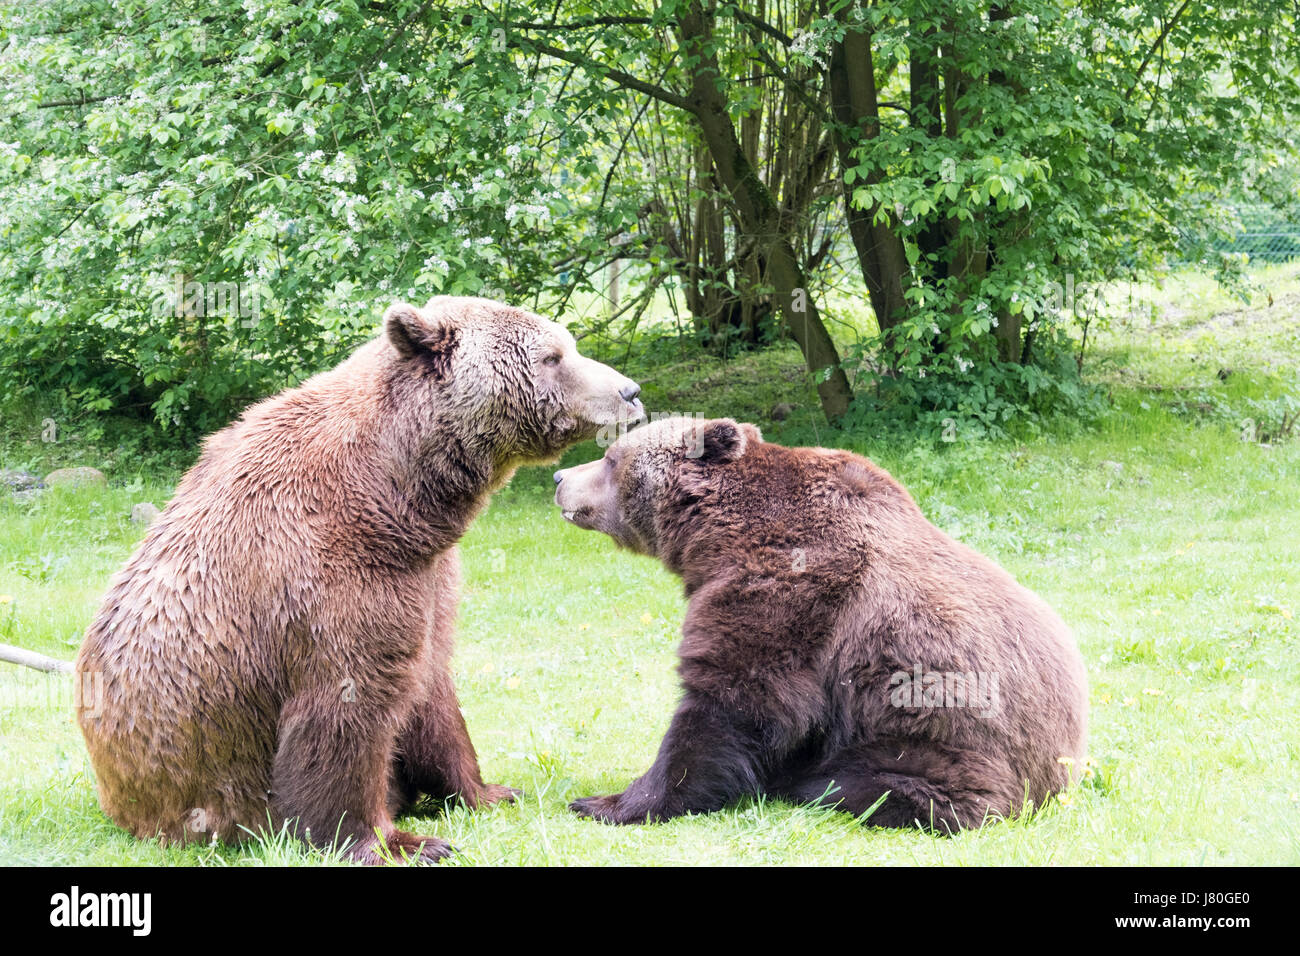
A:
(1266, 234)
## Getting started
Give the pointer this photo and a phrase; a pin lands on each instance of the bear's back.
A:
(824, 551)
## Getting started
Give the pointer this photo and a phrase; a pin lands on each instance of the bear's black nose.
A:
(629, 392)
(559, 476)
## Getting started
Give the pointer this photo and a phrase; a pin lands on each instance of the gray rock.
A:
(145, 513)
(23, 497)
(72, 477)
(781, 411)
(19, 480)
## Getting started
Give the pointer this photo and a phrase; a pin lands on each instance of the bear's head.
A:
(509, 380)
(625, 493)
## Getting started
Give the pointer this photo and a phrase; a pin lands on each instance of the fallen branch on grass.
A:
(17, 655)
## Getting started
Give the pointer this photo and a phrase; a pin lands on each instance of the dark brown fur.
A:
(814, 580)
(278, 648)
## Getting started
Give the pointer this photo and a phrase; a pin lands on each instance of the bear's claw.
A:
(604, 809)
(402, 848)
(498, 793)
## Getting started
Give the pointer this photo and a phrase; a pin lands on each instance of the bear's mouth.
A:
(579, 517)
(625, 413)
(633, 412)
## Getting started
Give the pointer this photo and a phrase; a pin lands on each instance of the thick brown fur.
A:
(278, 648)
(814, 582)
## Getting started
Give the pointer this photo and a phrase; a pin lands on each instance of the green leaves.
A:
(330, 158)
(323, 160)
(1082, 144)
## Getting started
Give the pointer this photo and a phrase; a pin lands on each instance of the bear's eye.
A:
(552, 359)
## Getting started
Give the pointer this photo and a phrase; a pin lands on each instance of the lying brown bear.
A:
(838, 648)
(278, 648)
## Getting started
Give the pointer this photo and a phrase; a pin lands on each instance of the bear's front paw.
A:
(401, 848)
(610, 809)
(497, 793)
(423, 849)
(597, 808)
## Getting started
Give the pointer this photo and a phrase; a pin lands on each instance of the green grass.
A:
(1164, 539)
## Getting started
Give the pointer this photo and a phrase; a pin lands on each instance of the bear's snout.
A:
(636, 411)
(579, 494)
(604, 395)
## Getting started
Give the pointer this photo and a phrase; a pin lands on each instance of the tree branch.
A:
(625, 80)
(584, 24)
(81, 102)
(20, 655)
(814, 107)
(1160, 42)
(759, 24)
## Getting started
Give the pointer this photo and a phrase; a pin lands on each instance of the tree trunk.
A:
(927, 118)
(967, 260)
(759, 215)
(854, 107)
(1006, 334)
(613, 286)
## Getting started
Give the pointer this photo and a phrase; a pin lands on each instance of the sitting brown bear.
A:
(837, 648)
(278, 648)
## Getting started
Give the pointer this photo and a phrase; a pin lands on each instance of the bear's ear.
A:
(723, 441)
(413, 332)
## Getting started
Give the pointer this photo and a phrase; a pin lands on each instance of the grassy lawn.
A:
(1163, 538)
